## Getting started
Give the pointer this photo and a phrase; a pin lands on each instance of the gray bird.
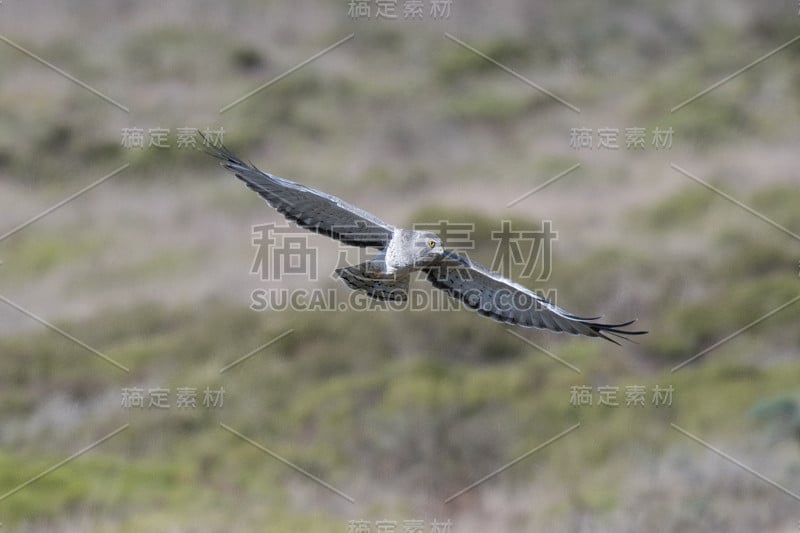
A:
(404, 251)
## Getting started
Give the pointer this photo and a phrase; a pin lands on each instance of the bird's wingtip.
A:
(603, 330)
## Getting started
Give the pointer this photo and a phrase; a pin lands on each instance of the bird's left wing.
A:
(492, 295)
(311, 209)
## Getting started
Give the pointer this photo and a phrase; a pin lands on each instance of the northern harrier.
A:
(404, 251)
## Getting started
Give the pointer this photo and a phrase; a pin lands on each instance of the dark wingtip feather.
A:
(229, 161)
(221, 152)
(615, 329)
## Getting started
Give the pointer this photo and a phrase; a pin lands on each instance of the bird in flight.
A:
(405, 251)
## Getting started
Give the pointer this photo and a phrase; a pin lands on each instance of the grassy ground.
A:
(399, 410)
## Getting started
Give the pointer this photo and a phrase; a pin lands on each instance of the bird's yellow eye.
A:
(432, 244)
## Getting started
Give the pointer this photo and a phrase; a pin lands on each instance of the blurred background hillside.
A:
(143, 281)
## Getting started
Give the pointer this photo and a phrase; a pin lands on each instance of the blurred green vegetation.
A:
(457, 62)
(490, 106)
(392, 398)
(679, 211)
(38, 253)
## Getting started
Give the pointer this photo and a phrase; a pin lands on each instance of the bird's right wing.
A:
(499, 298)
(311, 209)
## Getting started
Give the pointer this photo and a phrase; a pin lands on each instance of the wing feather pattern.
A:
(494, 296)
(311, 209)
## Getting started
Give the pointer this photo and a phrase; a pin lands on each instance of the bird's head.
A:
(428, 246)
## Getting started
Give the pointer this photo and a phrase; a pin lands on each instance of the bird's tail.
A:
(367, 277)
